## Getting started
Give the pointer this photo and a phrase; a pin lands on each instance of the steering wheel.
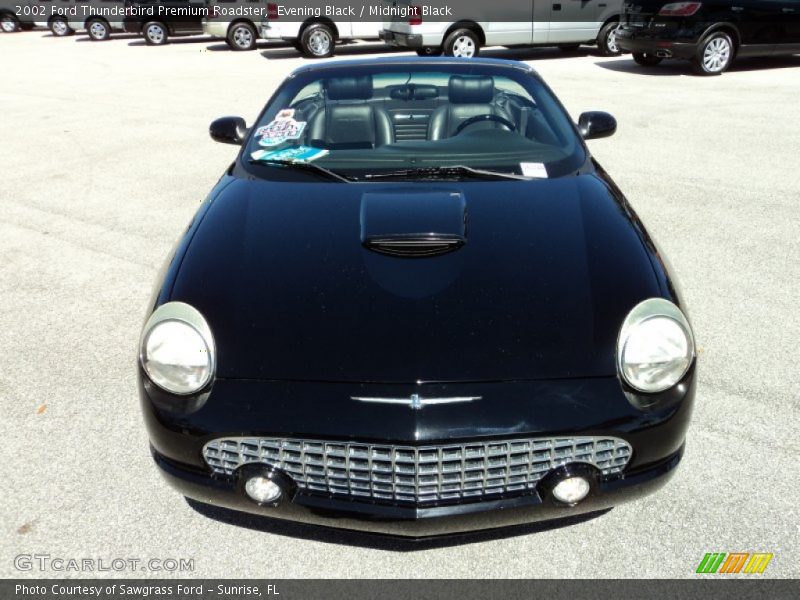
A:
(480, 119)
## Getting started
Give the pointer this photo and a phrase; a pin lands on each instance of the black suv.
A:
(709, 34)
(156, 20)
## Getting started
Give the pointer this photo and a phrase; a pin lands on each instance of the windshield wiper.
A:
(447, 172)
(305, 166)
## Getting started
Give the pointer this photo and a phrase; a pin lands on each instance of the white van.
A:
(310, 31)
(563, 23)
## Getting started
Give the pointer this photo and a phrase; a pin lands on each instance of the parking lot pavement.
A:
(105, 157)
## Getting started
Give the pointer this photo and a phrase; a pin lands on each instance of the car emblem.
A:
(415, 401)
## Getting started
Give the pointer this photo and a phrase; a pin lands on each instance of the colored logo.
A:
(734, 562)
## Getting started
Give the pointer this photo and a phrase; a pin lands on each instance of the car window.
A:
(382, 118)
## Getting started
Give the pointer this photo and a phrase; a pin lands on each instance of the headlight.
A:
(177, 349)
(655, 346)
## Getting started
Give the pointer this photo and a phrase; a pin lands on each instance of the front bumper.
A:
(417, 523)
(179, 429)
(404, 40)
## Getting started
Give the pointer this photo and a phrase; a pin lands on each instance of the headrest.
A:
(471, 90)
(349, 88)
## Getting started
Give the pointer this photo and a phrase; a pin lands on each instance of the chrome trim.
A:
(417, 475)
(415, 401)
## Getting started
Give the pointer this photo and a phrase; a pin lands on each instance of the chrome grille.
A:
(417, 475)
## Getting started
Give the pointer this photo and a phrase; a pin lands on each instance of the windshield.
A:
(411, 120)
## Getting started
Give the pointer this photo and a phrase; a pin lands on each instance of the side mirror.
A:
(228, 130)
(596, 124)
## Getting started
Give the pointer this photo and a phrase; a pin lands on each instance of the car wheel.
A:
(646, 60)
(155, 33)
(462, 43)
(317, 41)
(429, 51)
(59, 27)
(569, 47)
(714, 55)
(98, 30)
(242, 36)
(9, 23)
(607, 40)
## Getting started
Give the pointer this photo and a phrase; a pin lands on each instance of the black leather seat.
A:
(348, 120)
(469, 97)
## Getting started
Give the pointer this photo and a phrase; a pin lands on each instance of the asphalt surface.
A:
(104, 158)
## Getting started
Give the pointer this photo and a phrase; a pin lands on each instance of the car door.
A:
(508, 22)
(761, 24)
(790, 12)
(542, 10)
(183, 16)
(574, 21)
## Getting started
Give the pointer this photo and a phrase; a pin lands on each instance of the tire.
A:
(58, 27)
(462, 43)
(714, 54)
(607, 39)
(98, 30)
(429, 51)
(646, 60)
(569, 47)
(9, 23)
(155, 33)
(317, 41)
(242, 36)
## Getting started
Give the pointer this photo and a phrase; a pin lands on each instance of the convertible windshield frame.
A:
(565, 155)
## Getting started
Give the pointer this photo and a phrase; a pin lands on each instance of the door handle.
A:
(788, 10)
(737, 8)
(556, 7)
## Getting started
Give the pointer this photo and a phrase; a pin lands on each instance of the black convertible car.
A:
(416, 305)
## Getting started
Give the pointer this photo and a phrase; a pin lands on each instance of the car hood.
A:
(539, 289)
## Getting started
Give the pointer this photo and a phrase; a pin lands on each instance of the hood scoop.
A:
(413, 224)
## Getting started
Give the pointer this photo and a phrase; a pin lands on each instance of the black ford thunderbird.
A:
(416, 305)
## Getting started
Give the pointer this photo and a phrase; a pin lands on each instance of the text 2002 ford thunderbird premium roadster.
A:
(415, 304)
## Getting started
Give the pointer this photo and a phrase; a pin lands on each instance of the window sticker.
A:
(298, 154)
(281, 129)
(537, 170)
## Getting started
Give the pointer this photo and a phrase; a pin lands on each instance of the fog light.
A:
(262, 489)
(571, 490)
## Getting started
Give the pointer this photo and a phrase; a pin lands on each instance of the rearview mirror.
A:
(596, 124)
(228, 130)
